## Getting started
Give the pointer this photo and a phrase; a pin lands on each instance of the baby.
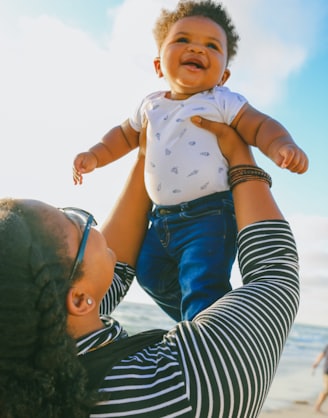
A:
(189, 249)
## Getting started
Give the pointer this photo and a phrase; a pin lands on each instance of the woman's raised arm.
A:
(125, 227)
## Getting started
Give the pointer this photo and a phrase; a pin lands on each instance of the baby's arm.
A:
(264, 132)
(115, 144)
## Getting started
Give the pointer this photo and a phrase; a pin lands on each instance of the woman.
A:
(221, 364)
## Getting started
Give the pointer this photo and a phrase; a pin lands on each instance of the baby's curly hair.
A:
(205, 8)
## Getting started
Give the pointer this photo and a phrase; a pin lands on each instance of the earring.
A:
(89, 301)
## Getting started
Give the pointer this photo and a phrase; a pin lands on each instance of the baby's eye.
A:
(212, 46)
(182, 40)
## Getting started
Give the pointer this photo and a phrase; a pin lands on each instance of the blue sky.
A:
(70, 70)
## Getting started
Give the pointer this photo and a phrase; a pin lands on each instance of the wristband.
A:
(244, 172)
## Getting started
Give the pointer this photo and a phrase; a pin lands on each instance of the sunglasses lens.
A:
(79, 215)
(85, 220)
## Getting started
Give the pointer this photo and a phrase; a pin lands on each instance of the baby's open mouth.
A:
(195, 64)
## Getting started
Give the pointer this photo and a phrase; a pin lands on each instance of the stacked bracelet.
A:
(240, 173)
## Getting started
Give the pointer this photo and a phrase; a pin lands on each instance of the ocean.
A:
(294, 381)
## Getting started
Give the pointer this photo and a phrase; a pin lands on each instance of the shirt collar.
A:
(111, 332)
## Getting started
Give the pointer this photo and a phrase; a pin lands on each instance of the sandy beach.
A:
(298, 409)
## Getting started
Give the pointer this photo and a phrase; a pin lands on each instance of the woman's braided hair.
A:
(40, 375)
(205, 8)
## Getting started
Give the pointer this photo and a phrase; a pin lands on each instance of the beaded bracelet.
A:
(244, 172)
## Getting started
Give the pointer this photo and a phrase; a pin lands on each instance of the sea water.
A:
(294, 380)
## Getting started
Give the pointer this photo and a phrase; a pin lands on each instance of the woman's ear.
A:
(225, 77)
(79, 303)
(157, 66)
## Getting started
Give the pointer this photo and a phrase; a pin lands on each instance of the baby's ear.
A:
(225, 77)
(157, 66)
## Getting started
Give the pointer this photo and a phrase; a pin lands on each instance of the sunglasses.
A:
(85, 220)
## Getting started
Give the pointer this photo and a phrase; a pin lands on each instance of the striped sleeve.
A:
(233, 348)
(222, 363)
(123, 277)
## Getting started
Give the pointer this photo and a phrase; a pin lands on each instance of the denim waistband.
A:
(181, 207)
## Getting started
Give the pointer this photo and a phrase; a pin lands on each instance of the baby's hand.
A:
(85, 162)
(292, 157)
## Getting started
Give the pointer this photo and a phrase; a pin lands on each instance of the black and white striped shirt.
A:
(222, 363)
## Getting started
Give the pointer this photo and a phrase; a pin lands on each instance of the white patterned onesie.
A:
(184, 162)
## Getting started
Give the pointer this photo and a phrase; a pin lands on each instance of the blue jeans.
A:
(186, 258)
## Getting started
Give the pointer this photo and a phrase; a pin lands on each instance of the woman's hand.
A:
(253, 200)
(234, 149)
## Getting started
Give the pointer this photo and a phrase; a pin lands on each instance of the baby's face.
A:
(193, 57)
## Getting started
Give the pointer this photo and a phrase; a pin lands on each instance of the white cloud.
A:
(56, 69)
(311, 234)
(272, 46)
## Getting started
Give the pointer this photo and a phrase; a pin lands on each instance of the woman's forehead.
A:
(53, 217)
